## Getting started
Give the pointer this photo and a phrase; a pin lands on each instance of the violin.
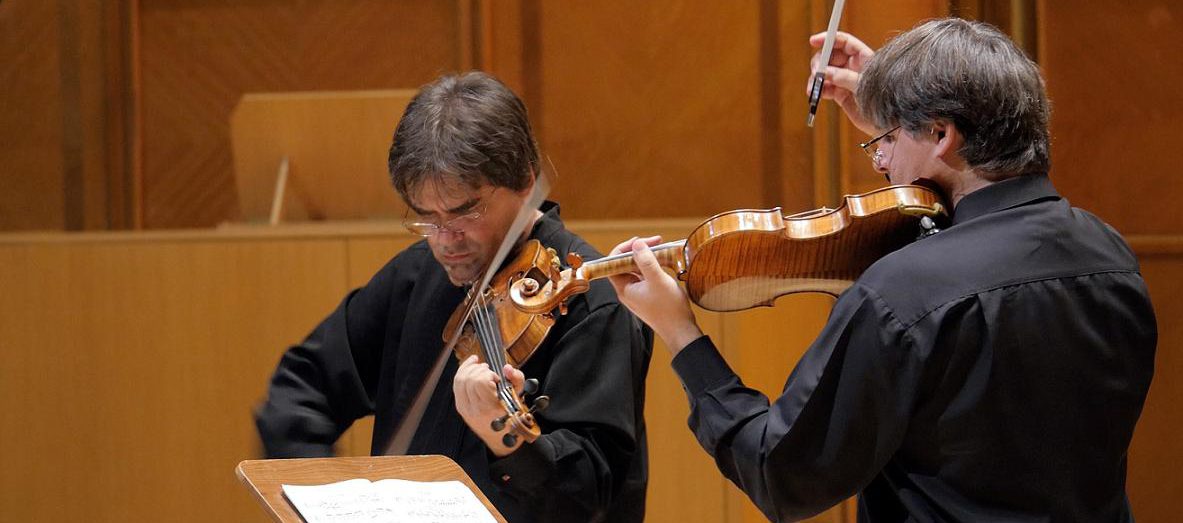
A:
(747, 258)
(487, 325)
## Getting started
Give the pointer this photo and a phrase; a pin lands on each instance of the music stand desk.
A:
(266, 477)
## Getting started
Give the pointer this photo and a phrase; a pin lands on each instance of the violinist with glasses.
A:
(992, 371)
(465, 161)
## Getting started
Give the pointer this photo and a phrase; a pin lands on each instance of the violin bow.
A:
(819, 76)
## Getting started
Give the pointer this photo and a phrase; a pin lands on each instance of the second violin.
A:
(746, 258)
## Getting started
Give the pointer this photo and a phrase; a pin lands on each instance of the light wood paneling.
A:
(130, 370)
(138, 358)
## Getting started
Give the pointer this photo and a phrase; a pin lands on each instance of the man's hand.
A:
(475, 388)
(847, 61)
(655, 296)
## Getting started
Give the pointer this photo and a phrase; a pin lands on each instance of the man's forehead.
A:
(444, 194)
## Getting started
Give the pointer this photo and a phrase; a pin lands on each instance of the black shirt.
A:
(991, 372)
(373, 353)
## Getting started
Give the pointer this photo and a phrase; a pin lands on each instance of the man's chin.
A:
(460, 276)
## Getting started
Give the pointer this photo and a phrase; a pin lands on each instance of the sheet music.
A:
(360, 500)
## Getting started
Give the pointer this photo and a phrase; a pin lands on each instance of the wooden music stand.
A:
(266, 477)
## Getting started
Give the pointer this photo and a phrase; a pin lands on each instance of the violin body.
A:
(747, 258)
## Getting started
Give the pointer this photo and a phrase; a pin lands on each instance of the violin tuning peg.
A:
(528, 286)
(574, 260)
(499, 423)
(510, 439)
(531, 386)
(540, 404)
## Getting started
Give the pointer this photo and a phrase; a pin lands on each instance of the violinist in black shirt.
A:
(464, 160)
(993, 371)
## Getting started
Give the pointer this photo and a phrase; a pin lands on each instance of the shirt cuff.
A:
(700, 365)
(527, 468)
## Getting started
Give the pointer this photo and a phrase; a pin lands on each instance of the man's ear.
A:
(948, 141)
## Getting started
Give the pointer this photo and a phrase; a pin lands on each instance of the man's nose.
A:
(878, 162)
(447, 236)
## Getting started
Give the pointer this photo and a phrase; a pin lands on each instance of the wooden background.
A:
(115, 114)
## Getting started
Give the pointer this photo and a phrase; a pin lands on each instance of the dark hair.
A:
(468, 126)
(971, 74)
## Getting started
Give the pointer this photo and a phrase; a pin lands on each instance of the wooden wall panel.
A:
(1113, 73)
(655, 113)
(1156, 455)
(31, 117)
(198, 58)
(138, 359)
(130, 369)
(673, 108)
(61, 116)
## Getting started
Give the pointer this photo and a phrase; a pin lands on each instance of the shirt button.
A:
(505, 478)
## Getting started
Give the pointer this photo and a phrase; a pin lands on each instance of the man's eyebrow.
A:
(459, 209)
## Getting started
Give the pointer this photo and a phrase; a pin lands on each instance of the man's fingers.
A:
(645, 260)
(843, 41)
(516, 378)
(627, 245)
(844, 78)
(651, 241)
(852, 46)
(623, 247)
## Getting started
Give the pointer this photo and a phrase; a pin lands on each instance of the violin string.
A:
(498, 355)
(489, 335)
(483, 331)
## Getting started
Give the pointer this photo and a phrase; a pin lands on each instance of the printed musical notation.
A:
(360, 500)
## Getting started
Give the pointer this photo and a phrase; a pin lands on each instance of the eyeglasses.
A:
(876, 153)
(457, 225)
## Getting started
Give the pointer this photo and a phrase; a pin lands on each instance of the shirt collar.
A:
(998, 196)
(549, 223)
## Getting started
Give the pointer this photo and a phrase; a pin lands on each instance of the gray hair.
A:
(470, 127)
(971, 74)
